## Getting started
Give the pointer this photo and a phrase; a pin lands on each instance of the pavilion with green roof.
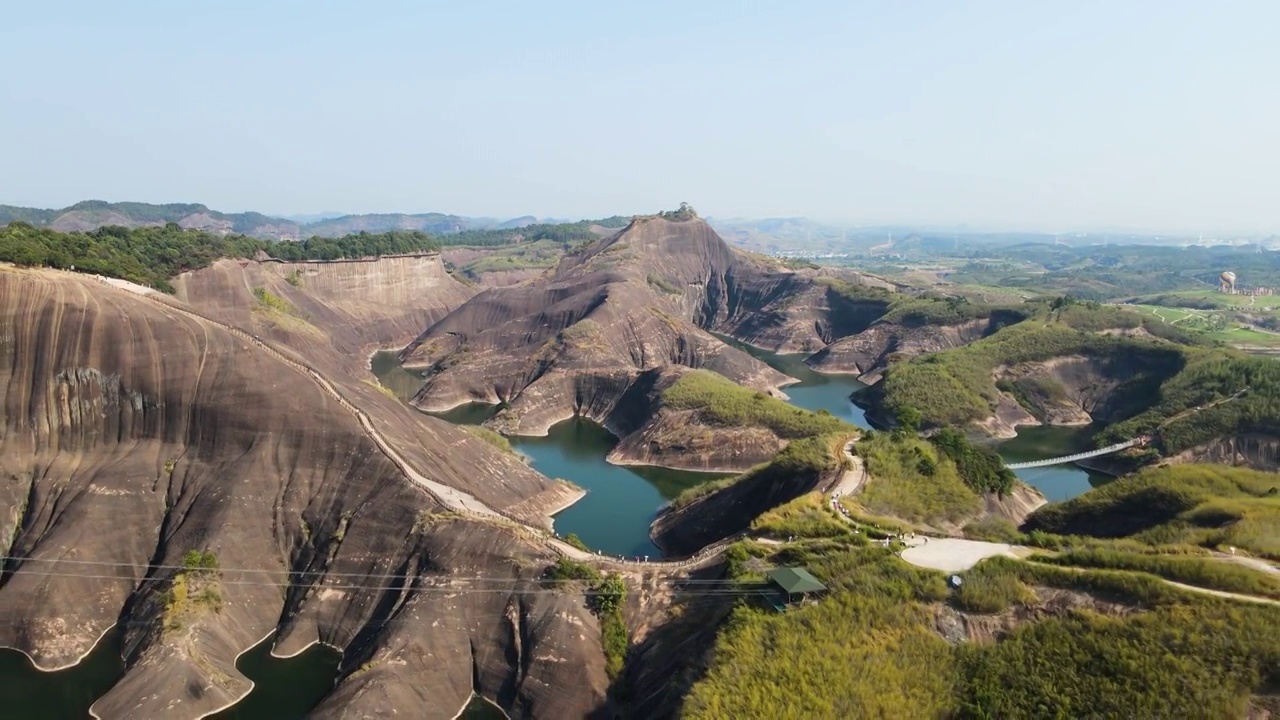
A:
(793, 584)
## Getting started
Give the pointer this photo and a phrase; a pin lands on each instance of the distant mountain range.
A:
(93, 214)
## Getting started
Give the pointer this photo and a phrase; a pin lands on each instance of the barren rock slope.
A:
(641, 298)
(131, 433)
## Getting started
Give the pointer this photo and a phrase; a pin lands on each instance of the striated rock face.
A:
(869, 352)
(654, 434)
(719, 514)
(131, 433)
(1015, 507)
(1071, 390)
(1260, 452)
(580, 335)
(342, 309)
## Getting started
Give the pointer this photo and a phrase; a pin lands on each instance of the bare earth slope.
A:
(351, 306)
(131, 433)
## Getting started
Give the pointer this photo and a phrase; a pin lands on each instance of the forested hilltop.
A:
(152, 255)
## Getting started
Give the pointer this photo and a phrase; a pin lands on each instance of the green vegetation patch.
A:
(722, 402)
(606, 600)
(849, 656)
(1214, 573)
(1199, 660)
(663, 285)
(1204, 505)
(491, 437)
(917, 310)
(956, 387)
(871, 649)
(805, 456)
(1209, 378)
(913, 480)
(268, 300)
(567, 570)
(806, 517)
(192, 591)
(564, 235)
(152, 255)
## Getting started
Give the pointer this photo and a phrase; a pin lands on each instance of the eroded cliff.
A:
(132, 434)
(580, 335)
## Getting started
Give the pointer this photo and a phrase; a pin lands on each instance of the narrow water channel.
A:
(815, 391)
(831, 392)
(283, 688)
(1056, 482)
(621, 502)
(31, 694)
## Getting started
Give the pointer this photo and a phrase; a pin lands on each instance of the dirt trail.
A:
(449, 497)
(958, 555)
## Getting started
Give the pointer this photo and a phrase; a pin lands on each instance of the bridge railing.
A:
(1077, 456)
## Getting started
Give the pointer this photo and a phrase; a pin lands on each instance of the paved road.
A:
(854, 478)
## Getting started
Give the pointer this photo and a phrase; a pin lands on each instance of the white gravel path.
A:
(954, 554)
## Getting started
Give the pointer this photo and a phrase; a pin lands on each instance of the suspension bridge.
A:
(1140, 440)
(1079, 456)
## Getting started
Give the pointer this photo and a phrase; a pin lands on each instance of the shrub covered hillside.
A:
(926, 309)
(956, 387)
(720, 401)
(911, 479)
(1204, 505)
(873, 647)
(1234, 392)
(152, 255)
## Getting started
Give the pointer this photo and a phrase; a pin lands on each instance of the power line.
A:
(317, 574)
(514, 589)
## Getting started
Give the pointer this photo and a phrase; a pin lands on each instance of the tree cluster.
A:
(152, 255)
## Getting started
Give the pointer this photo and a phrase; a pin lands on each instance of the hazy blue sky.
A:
(1055, 116)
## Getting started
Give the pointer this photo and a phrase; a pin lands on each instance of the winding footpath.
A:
(449, 497)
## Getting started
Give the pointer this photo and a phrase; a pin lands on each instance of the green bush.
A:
(991, 588)
(491, 437)
(565, 570)
(662, 284)
(804, 517)
(993, 529)
(270, 301)
(200, 560)
(981, 468)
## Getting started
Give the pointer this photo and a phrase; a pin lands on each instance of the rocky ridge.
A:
(133, 434)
